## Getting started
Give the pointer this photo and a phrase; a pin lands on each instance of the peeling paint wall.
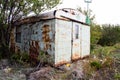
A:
(37, 36)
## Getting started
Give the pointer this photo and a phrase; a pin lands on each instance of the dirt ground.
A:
(70, 71)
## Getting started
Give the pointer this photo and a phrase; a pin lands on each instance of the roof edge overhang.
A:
(64, 14)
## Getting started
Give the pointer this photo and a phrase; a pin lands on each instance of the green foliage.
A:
(103, 63)
(102, 52)
(42, 57)
(110, 35)
(97, 65)
(117, 76)
(45, 58)
(20, 57)
(24, 57)
(95, 33)
(117, 45)
(15, 57)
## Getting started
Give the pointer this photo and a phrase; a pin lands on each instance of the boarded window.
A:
(76, 31)
(18, 34)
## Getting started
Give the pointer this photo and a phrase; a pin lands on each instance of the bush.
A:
(45, 58)
(20, 57)
(25, 57)
(95, 33)
(110, 35)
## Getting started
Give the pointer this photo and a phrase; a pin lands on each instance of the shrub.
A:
(15, 57)
(110, 35)
(20, 57)
(45, 58)
(24, 57)
(95, 33)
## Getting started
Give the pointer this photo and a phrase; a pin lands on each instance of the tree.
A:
(12, 10)
(110, 35)
(95, 33)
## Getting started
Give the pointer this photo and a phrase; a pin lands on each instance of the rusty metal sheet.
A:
(85, 42)
(76, 47)
(12, 40)
(37, 36)
(62, 42)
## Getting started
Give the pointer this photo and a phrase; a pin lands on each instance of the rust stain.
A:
(61, 63)
(34, 50)
(12, 47)
(45, 37)
(81, 58)
(12, 40)
(75, 56)
(87, 56)
(75, 45)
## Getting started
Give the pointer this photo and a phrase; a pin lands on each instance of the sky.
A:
(106, 11)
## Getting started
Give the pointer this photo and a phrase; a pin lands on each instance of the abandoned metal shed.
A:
(62, 33)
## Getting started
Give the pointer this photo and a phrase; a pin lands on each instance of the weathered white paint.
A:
(76, 36)
(85, 41)
(63, 41)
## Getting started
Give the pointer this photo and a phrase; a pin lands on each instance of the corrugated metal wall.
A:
(37, 36)
(76, 40)
(85, 41)
(63, 41)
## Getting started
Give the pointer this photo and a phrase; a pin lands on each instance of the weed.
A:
(117, 76)
(95, 64)
(45, 58)
(107, 62)
(102, 52)
(24, 57)
(20, 57)
(117, 46)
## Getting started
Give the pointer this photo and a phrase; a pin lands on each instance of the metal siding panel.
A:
(47, 36)
(25, 38)
(63, 42)
(85, 43)
(36, 37)
(76, 41)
